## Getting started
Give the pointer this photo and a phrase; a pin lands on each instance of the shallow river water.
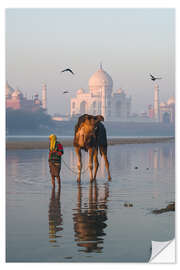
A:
(99, 222)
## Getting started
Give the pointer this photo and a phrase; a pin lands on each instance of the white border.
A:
(72, 4)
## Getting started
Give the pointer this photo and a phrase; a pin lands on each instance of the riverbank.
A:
(14, 145)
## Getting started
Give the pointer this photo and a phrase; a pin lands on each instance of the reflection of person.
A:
(55, 153)
(54, 215)
(89, 223)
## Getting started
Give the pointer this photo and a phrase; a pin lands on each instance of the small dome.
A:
(171, 100)
(80, 91)
(9, 90)
(120, 91)
(17, 93)
(100, 79)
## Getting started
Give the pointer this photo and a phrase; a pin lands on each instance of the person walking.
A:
(55, 153)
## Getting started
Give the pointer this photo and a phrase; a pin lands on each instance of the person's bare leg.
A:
(58, 180)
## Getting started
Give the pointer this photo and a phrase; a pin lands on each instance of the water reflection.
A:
(90, 219)
(154, 156)
(162, 156)
(54, 215)
(123, 157)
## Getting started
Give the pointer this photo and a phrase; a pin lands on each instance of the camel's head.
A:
(91, 121)
(85, 130)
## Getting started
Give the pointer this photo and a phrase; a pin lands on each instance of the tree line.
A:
(17, 120)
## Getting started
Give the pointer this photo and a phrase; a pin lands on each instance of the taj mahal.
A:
(101, 99)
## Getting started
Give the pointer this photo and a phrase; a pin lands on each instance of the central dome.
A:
(100, 79)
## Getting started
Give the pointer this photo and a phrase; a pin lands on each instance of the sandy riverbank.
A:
(69, 142)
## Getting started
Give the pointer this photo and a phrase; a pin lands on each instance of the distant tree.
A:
(22, 120)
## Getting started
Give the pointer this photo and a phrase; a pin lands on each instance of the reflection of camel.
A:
(55, 216)
(90, 135)
(89, 222)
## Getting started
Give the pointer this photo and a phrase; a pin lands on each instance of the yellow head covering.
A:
(52, 138)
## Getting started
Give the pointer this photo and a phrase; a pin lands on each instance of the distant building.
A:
(164, 111)
(101, 99)
(156, 103)
(17, 101)
(44, 96)
(167, 111)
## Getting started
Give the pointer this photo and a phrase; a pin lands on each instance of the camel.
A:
(90, 135)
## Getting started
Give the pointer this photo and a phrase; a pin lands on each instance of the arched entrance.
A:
(94, 107)
(83, 107)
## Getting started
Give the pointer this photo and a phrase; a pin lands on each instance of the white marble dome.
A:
(100, 79)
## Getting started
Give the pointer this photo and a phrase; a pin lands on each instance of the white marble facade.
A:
(101, 99)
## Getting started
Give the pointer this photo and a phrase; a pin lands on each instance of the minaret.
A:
(156, 103)
(44, 96)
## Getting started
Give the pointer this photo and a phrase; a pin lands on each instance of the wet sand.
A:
(14, 145)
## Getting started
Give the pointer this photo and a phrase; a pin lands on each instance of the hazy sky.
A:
(131, 43)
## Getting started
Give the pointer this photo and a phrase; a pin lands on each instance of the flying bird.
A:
(69, 70)
(65, 92)
(154, 78)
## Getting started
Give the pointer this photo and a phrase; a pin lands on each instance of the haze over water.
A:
(89, 223)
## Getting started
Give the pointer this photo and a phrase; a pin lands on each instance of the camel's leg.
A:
(79, 162)
(95, 193)
(90, 198)
(106, 195)
(96, 163)
(91, 151)
(107, 165)
(79, 197)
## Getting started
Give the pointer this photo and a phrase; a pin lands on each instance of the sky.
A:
(130, 43)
